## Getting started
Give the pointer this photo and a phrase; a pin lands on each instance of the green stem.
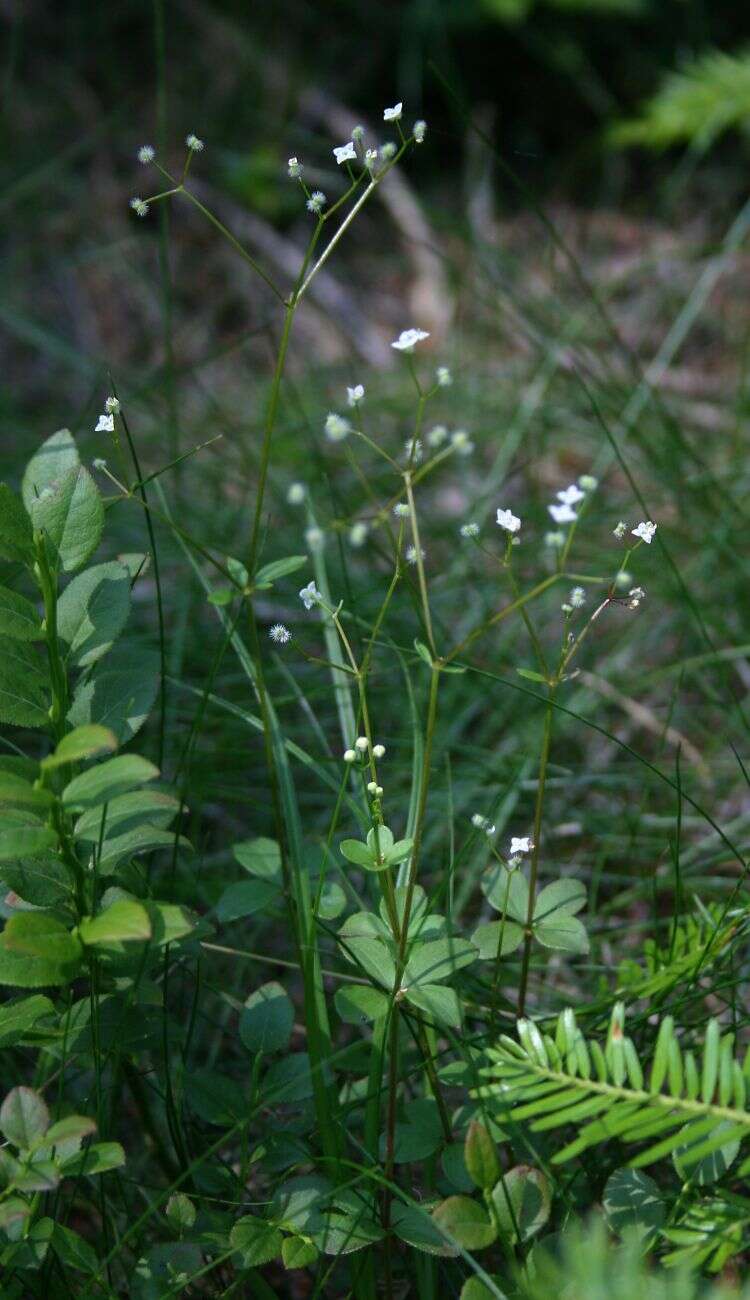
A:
(541, 783)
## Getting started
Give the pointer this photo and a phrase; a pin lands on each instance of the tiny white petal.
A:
(355, 394)
(408, 338)
(570, 496)
(563, 514)
(645, 531)
(310, 595)
(507, 520)
(393, 114)
(105, 424)
(345, 153)
(520, 845)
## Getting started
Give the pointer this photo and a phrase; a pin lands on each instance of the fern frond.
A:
(697, 104)
(677, 1104)
(697, 943)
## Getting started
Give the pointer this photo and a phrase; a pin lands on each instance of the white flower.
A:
(393, 114)
(350, 756)
(345, 153)
(554, 539)
(645, 531)
(112, 405)
(146, 154)
(566, 608)
(522, 845)
(315, 538)
(437, 435)
(358, 533)
(570, 496)
(336, 427)
(372, 787)
(507, 520)
(469, 530)
(620, 530)
(444, 377)
(563, 514)
(139, 206)
(362, 744)
(296, 494)
(105, 424)
(378, 751)
(635, 596)
(310, 595)
(355, 394)
(407, 339)
(419, 130)
(483, 824)
(194, 144)
(371, 158)
(294, 168)
(401, 509)
(462, 442)
(99, 463)
(588, 483)
(280, 634)
(411, 554)
(413, 449)
(577, 598)
(316, 202)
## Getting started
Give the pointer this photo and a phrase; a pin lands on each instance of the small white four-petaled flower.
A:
(296, 494)
(419, 130)
(294, 167)
(570, 496)
(310, 595)
(280, 634)
(507, 520)
(393, 114)
(345, 153)
(105, 424)
(408, 338)
(355, 394)
(520, 845)
(645, 531)
(563, 514)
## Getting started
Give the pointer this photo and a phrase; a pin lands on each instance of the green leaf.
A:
(98, 1158)
(80, 744)
(358, 1003)
(288, 1079)
(507, 891)
(19, 619)
(18, 1018)
(180, 1212)
(107, 780)
(429, 963)
(531, 675)
(118, 693)
(92, 612)
(16, 533)
(256, 1241)
(56, 457)
(419, 1135)
(466, 1222)
(25, 841)
(362, 938)
(73, 1251)
(440, 1003)
(165, 1271)
(423, 652)
(480, 1156)
(24, 1118)
(522, 1201)
(215, 1098)
(632, 1201)
(169, 922)
(561, 898)
(267, 1019)
(417, 1229)
(708, 1168)
(137, 839)
(20, 795)
(345, 1233)
(71, 514)
(565, 933)
(25, 692)
(36, 950)
(43, 881)
(358, 853)
(245, 898)
(487, 938)
(298, 1253)
(261, 857)
(475, 1289)
(121, 922)
(127, 813)
(270, 573)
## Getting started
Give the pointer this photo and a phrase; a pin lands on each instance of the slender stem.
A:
(543, 762)
(419, 562)
(230, 238)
